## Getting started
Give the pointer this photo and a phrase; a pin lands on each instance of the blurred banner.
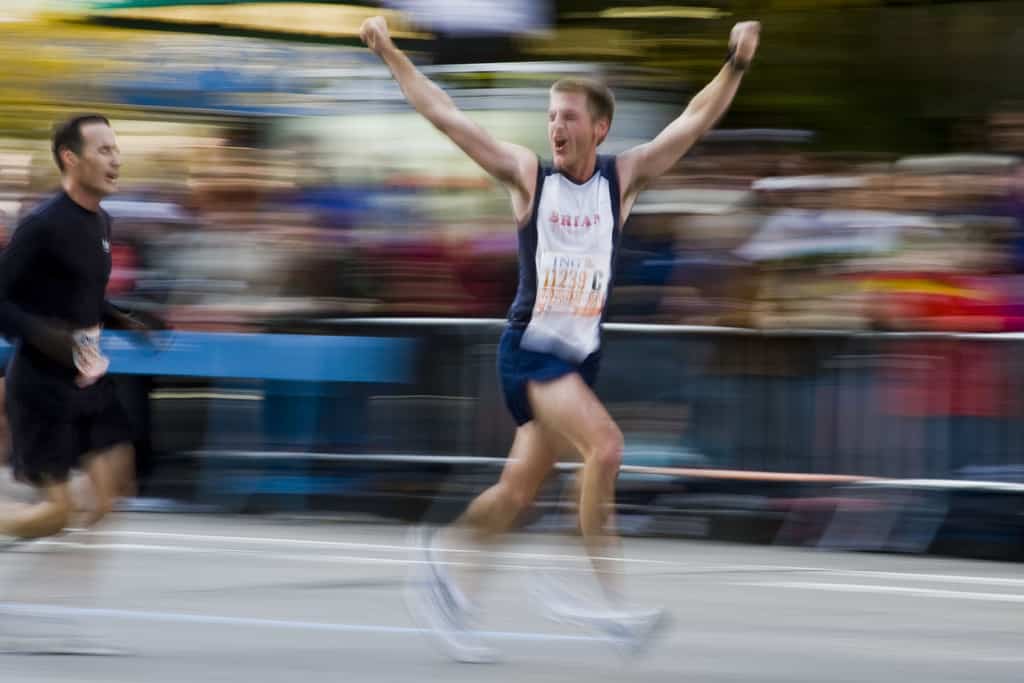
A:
(294, 17)
(478, 17)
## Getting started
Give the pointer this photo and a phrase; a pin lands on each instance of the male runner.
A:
(62, 409)
(569, 215)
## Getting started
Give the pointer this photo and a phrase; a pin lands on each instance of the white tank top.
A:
(576, 230)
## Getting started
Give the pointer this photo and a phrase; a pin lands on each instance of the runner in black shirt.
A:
(62, 408)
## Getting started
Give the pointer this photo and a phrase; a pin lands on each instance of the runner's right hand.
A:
(744, 39)
(374, 32)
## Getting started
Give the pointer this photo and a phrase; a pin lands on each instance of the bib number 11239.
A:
(568, 284)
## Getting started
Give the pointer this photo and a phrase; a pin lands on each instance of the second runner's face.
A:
(99, 165)
(572, 131)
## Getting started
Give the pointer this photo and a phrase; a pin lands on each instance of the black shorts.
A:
(53, 424)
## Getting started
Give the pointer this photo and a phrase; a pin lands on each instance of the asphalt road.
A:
(196, 598)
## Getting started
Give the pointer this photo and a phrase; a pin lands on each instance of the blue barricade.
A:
(312, 358)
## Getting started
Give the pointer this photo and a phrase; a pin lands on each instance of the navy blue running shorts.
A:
(518, 366)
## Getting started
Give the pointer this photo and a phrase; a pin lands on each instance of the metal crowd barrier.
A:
(947, 406)
(865, 404)
(850, 439)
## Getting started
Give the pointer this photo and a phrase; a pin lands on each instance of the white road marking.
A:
(289, 557)
(524, 561)
(888, 590)
(933, 578)
(686, 567)
(269, 540)
(49, 610)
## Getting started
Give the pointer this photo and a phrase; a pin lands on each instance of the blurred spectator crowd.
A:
(225, 233)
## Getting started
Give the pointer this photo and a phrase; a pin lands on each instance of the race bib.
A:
(570, 284)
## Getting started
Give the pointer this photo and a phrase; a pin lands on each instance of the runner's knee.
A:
(607, 452)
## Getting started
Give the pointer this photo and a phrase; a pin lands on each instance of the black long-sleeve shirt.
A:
(54, 271)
